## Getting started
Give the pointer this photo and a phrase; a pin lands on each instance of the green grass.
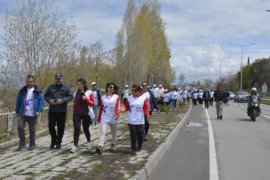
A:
(3, 138)
(266, 101)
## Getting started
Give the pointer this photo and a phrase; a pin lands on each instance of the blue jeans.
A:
(174, 103)
(96, 109)
(32, 129)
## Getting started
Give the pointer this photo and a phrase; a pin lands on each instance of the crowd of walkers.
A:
(90, 108)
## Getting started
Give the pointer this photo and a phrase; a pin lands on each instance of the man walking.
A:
(97, 100)
(57, 95)
(29, 105)
(219, 96)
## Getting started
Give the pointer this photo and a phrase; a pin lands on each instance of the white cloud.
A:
(197, 30)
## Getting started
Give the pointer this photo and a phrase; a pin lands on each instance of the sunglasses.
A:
(112, 87)
(135, 90)
(144, 85)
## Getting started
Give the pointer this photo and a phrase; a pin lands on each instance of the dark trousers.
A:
(194, 101)
(211, 101)
(59, 119)
(136, 136)
(86, 121)
(206, 103)
(146, 124)
(32, 129)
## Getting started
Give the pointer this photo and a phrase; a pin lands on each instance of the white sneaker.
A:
(88, 145)
(74, 149)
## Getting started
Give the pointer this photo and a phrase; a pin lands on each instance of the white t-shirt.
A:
(95, 97)
(109, 108)
(174, 95)
(29, 103)
(126, 93)
(136, 113)
(166, 97)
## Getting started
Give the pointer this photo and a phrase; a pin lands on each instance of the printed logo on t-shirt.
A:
(104, 109)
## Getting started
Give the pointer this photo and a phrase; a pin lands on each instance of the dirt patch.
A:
(120, 164)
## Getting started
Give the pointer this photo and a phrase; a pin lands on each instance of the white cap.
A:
(154, 85)
(93, 83)
(126, 85)
(160, 85)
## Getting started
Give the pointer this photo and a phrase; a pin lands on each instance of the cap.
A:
(253, 89)
(160, 85)
(93, 83)
(59, 76)
(126, 85)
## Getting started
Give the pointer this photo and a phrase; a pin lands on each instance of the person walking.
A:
(206, 98)
(211, 97)
(57, 95)
(152, 104)
(219, 96)
(109, 112)
(166, 97)
(125, 93)
(174, 97)
(137, 107)
(97, 97)
(226, 99)
(29, 105)
(194, 97)
(82, 112)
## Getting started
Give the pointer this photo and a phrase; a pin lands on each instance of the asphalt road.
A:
(188, 156)
(242, 147)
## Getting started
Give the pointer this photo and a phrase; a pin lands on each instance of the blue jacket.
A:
(38, 101)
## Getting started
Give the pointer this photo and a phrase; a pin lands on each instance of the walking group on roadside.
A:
(89, 108)
(220, 97)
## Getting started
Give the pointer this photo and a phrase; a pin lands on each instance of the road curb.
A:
(158, 154)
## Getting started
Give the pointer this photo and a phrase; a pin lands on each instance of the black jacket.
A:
(219, 95)
(54, 92)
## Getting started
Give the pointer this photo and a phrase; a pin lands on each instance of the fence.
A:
(8, 121)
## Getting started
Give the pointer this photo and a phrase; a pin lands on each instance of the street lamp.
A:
(220, 59)
(242, 49)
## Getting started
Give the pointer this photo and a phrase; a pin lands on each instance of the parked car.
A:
(231, 95)
(241, 96)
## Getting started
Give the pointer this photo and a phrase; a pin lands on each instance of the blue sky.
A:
(197, 30)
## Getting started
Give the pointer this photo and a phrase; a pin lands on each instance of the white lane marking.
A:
(266, 116)
(212, 151)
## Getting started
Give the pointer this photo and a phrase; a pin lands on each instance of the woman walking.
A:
(137, 104)
(108, 115)
(83, 102)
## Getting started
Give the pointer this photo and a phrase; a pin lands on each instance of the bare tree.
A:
(34, 39)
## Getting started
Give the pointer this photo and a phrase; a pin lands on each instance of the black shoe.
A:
(112, 147)
(133, 153)
(220, 117)
(145, 138)
(31, 147)
(58, 146)
(20, 148)
(99, 150)
(52, 146)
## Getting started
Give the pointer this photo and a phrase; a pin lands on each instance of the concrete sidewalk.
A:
(44, 163)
